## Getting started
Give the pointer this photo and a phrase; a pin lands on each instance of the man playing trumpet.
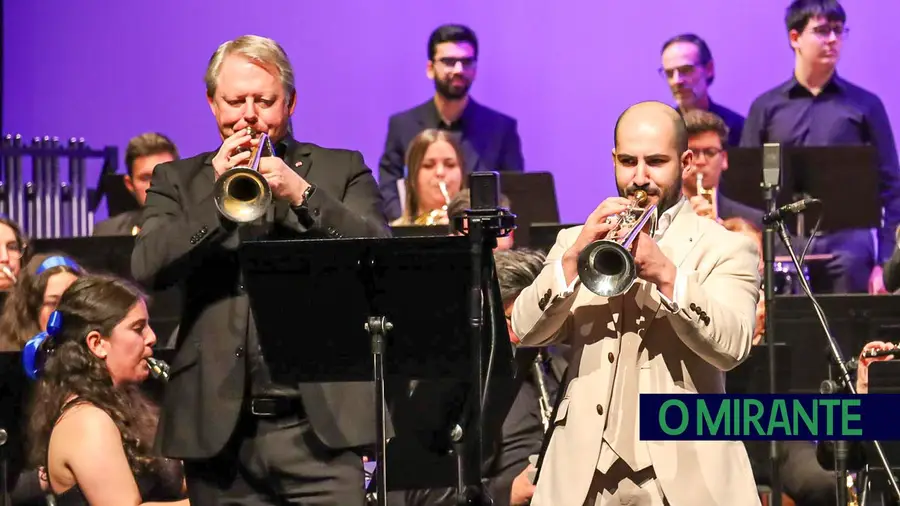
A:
(687, 320)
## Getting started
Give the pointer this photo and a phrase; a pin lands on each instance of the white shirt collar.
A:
(666, 219)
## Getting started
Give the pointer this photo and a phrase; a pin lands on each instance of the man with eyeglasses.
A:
(489, 139)
(816, 107)
(708, 138)
(689, 70)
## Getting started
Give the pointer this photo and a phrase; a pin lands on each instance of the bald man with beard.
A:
(687, 320)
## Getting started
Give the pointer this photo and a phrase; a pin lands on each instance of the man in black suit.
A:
(489, 139)
(243, 439)
(142, 155)
(708, 139)
(689, 69)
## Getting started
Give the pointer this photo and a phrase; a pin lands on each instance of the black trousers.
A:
(273, 462)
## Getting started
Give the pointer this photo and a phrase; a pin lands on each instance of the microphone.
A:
(785, 211)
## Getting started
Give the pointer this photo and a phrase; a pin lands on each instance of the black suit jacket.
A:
(733, 209)
(120, 224)
(184, 239)
(490, 141)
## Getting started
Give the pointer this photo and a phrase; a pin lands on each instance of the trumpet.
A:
(709, 195)
(433, 217)
(606, 266)
(242, 194)
(158, 368)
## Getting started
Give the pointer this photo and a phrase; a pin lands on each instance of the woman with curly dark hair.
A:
(89, 427)
(34, 297)
(13, 252)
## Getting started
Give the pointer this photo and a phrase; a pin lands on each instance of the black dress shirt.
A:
(843, 114)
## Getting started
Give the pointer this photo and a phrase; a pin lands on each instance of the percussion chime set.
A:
(43, 198)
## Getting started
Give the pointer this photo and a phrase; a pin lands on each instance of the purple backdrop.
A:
(109, 70)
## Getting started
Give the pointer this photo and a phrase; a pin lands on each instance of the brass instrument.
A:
(158, 368)
(852, 497)
(606, 266)
(545, 406)
(242, 193)
(8, 273)
(710, 195)
(433, 217)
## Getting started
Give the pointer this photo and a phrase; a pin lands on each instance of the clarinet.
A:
(546, 407)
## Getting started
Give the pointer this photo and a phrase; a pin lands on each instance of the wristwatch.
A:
(304, 199)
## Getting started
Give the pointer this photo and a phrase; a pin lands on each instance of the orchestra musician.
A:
(698, 286)
(242, 438)
(143, 153)
(489, 138)
(89, 426)
(13, 251)
(31, 301)
(435, 163)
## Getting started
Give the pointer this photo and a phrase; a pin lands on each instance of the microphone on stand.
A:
(789, 210)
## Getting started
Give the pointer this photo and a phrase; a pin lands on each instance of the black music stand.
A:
(354, 310)
(835, 175)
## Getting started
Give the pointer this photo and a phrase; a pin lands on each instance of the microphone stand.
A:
(770, 189)
(843, 383)
(483, 225)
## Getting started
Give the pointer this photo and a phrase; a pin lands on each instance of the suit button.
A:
(600, 409)
(702, 315)
(611, 357)
(239, 352)
(203, 230)
(693, 306)
(315, 211)
(241, 288)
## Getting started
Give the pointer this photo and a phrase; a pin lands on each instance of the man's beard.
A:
(450, 91)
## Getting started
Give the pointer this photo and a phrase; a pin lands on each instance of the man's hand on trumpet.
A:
(285, 183)
(652, 265)
(228, 156)
(702, 207)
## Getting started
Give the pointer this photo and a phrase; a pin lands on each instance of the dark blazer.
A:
(490, 141)
(733, 209)
(120, 224)
(184, 239)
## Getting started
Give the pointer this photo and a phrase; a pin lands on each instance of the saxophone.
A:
(545, 406)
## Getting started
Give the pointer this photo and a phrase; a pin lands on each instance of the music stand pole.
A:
(377, 327)
(770, 185)
(4, 470)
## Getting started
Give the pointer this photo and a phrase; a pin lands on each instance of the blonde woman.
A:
(435, 164)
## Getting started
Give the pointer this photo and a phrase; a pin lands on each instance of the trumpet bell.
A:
(242, 194)
(606, 268)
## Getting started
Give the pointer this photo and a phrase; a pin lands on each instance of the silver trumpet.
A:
(8, 273)
(606, 266)
(158, 368)
(241, 193)
(546, 407)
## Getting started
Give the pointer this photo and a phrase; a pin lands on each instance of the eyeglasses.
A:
(708, 153)
(449, 62)
(823, 31)
(684, 70)
(14, 250)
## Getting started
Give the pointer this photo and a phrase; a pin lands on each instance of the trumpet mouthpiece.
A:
(8, 273)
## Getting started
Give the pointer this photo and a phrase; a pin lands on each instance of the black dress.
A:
(164, 486)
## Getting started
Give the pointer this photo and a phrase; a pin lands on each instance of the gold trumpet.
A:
(242, 193)
(710, 196)
(606, 266)
(433, 217)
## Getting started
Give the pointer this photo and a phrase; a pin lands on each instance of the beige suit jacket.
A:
(684, 352)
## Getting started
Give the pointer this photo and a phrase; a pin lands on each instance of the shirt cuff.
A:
(672, 305)
(561, 288)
